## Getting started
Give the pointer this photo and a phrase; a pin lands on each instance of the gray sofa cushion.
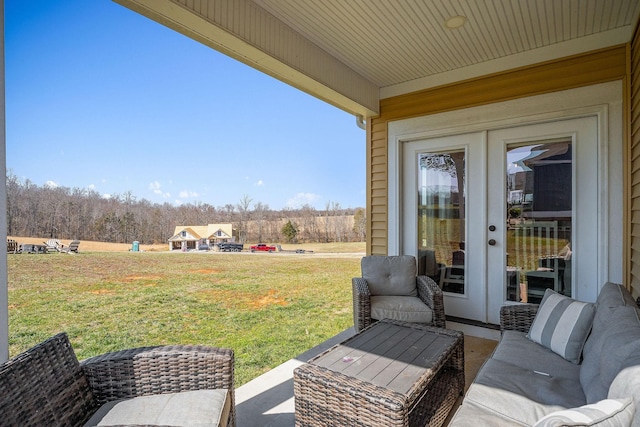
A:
(627, 384)
(403, 308)
(516, 349)
(606, 413)
(200, 408)
(523, 396)
(614, 295)
(390, 275)
(562, 325)
(613, 343)
(472, 414)
(610, 297)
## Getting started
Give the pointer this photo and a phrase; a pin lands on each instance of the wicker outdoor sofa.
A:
(562, 362)
(164, 385)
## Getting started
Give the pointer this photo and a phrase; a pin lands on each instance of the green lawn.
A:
(267, 307)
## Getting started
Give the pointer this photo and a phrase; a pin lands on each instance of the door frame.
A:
(604, 101)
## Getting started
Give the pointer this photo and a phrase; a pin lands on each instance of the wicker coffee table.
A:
(390, 374)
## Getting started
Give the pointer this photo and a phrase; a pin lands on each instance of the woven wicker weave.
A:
(428, 291)
(517, 317)
(324, 397)
(47, 386)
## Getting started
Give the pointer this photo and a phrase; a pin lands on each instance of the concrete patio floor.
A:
(267, 401)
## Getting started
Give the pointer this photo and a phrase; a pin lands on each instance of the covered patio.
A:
(434, 73)
(424, 72)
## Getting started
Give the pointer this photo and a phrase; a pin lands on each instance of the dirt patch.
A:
(207, 271)
(246, 300)
(271, 298)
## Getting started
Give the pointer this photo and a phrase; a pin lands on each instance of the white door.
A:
(498, 216)
(543, 205)
(443, 217)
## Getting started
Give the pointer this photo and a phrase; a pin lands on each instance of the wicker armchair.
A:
(390, 282)
(46, 385)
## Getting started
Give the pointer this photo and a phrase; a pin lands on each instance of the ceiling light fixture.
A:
(455, 22)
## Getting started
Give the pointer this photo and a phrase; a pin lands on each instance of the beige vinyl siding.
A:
(576, 71)
(377, 241)
(633, 252)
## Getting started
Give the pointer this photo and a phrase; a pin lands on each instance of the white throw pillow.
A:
(562, 325)
(606, 413)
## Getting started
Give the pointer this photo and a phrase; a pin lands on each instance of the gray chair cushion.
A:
(390, 275)
(200, 408)
(407, 309)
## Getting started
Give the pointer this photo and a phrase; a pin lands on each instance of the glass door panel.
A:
(441, 218)
(539, 219)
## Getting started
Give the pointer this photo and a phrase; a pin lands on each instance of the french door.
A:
(443, 220)
(498, 216)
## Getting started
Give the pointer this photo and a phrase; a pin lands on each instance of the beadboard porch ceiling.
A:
(352, 53)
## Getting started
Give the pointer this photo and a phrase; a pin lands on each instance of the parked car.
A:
(203, 247)
(262, 247)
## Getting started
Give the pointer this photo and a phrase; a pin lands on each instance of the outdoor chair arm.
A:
(431, 294)
(163, 369)
(517, 317)
(361, 303)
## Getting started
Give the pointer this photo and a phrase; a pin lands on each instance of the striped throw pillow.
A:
(606, 413)
(562, 325)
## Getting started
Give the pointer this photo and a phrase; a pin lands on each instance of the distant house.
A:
(190, 237)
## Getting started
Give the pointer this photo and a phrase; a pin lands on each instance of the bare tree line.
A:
(73, 213)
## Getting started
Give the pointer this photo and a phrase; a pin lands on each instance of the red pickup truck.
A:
(261, 247)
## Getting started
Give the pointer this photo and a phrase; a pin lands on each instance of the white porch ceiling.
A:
(354, 52)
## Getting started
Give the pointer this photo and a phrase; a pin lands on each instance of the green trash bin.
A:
(136, 246)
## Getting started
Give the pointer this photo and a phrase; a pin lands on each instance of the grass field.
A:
(267, 307)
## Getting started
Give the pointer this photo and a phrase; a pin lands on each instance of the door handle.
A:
(492, 242)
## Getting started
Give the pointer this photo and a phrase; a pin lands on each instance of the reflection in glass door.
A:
(539, 219)
(441, 218)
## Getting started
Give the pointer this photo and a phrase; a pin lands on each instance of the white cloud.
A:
(51, 184)
(184, 194)
(91, 187)
(177, 202)
(156, 187)
(302, 199)
(106, 196)
(259, 183)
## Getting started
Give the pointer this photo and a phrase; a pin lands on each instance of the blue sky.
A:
(100, 97)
